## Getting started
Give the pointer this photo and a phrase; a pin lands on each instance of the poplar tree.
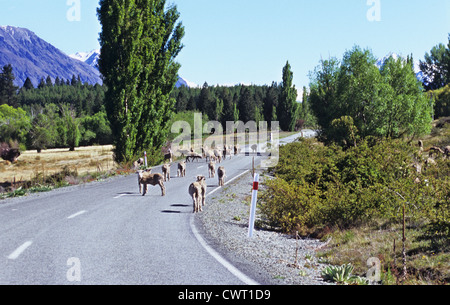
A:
(288, 107)
(140, 40)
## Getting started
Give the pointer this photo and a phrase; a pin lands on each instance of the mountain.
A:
(380, 62)
(91, 58)
(33, 57)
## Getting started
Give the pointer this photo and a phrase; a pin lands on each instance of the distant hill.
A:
(91, 58)
(31, 56)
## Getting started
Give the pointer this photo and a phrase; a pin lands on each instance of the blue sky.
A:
(249, 41)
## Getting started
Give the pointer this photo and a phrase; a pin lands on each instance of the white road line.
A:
(228, 182)
(236, 272)
(76, 214)
(19, 250)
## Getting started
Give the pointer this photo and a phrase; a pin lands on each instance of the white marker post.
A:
(145, 158)
(251, 225)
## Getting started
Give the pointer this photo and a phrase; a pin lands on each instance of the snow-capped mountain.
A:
(32, 57)
(91, 58)
(380, 62)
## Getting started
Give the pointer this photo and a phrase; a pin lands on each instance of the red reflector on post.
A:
(255, 186)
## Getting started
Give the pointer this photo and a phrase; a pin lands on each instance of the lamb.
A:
(212, 169)
(182, 169)
(166, 172)
(221, 173)
(146, 178)
(195, 191)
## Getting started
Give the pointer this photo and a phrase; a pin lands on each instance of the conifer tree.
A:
(8, 91)
(288, 106)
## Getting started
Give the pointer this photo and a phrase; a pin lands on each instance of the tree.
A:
(14, 124)
(386, 103)
(139, 41)
(28, 84)
(8, 91)
(436, 67)
(288, 106)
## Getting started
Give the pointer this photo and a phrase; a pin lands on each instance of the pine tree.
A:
(8, 91)
(28, 84)
(140, 40)
(288, 106)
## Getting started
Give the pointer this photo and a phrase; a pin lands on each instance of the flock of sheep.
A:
(197, 189)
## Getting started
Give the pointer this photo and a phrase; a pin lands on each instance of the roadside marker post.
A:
(251, 225)
(145, 158)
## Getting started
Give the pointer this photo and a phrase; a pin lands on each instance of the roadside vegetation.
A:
(365, 185)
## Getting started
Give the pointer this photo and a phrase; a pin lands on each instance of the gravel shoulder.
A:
(271, 258)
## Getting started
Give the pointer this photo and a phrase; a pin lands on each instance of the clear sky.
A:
(249, 41)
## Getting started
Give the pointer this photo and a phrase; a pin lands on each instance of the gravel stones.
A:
(278, 259)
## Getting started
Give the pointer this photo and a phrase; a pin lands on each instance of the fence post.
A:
(251, 225)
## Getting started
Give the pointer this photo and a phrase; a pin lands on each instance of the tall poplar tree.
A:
(288, 107)
(140, 40)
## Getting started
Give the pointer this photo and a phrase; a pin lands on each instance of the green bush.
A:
(318, 186)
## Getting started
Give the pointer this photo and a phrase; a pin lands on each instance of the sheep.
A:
(202, 181)
(226, 152)
(221, 173)
(208, 154)
(218, 154)
(149, 171)
(169, 156)
(193, 156)
(182, 169)
(166, 172)
(237, 150)
(146, 178)
(195, 191)
(254, 148)
(9, 153)
(138, 163)
(212, 169)
(434, 149)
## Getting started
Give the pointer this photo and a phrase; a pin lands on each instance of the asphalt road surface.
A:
(107, 233)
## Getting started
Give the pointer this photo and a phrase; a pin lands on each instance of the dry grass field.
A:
(83, 160)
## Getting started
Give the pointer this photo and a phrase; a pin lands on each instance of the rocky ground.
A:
(282, 259)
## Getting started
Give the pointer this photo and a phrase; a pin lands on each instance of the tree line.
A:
(347, 100)
(60, 114)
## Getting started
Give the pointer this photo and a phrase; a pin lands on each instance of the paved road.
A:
(107, 233)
